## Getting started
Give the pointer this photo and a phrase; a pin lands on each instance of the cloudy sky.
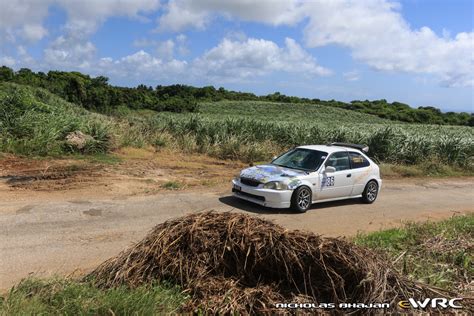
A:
(416, 51)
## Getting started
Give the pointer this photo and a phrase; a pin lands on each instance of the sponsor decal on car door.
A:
(339, 183)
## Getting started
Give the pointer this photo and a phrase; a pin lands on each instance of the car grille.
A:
(249, 182)
(257, 197)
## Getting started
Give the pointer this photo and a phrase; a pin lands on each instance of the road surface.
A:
(66, 234)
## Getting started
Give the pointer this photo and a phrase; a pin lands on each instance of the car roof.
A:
(329, 149)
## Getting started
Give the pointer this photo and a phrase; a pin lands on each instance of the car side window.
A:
(358, 161)
(339, 160)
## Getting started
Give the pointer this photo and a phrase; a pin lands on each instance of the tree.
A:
(6, 74)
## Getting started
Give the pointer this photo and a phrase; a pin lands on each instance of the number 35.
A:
(329, 182)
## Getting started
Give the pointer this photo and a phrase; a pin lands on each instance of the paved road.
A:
(60, 236)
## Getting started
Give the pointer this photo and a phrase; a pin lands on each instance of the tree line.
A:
(95, 93)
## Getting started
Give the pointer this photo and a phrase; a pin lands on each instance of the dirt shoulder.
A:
(129, 172)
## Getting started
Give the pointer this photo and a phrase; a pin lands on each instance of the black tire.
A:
(370, 192)
(301, 199)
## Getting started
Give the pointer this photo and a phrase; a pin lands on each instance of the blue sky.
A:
(416, 51)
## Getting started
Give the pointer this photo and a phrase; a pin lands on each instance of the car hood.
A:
(266, 173)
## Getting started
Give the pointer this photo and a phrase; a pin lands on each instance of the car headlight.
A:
(275, 185)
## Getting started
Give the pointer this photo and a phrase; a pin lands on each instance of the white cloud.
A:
(34, 32)
(182, 44)
(165, 49)
(7, 61)
(256, 57)
(23, 18)
(378, 35)
(69, 52)
(351, 75)
(374, 31)
(24, 57)
(182, 14)
(86, 15)
(230, 60)
(179, 18)
(73, 49)
(141, 65)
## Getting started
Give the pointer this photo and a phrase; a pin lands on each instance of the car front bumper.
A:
(261, 196)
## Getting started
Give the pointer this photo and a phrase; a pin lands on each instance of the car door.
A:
(360, 172)
(339, 183)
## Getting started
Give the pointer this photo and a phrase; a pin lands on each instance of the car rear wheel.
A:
(370, 192)
(301, 199)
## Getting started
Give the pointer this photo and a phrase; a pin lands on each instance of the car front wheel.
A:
(370, 192)
(301, 199)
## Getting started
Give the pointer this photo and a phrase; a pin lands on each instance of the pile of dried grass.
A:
(230, 262)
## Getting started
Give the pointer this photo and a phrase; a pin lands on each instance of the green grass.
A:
(172, 185)
(69, 297)
(426, 169)
(437, 253)
(284, 112)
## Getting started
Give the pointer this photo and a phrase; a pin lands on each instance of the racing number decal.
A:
(328, 182)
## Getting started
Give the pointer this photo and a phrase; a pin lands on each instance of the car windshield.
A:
(302, 159)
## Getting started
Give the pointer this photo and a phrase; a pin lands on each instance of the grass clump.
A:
(70, 297)
(172, 185)
(426, 169)
(436, 253)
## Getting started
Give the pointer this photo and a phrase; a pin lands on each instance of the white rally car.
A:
(311, 174)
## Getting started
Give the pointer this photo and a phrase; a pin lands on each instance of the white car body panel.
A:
(273, 198)
(343, 186)
(348, 183)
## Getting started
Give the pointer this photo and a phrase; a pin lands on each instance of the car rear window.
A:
(358, 161)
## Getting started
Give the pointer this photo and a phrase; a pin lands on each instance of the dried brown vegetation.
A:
(231, 262)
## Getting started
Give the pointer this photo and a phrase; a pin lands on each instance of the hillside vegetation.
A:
(35, 122)
(98, 95)
(284, 112)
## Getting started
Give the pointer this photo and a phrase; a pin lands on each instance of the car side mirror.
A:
(329, 169)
